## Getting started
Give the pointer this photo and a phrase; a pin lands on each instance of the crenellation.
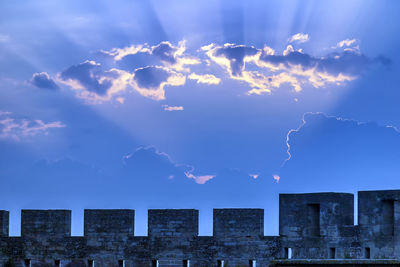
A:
(315, 214)
(56, 223)
(379, 214)
(173, 222)
(4, 222)
(238, 222)
(315, 229)
(99, 222)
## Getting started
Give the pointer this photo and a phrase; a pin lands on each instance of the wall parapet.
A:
(314, 228)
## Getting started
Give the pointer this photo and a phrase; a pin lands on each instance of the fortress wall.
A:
(313, 227)
(108, 222)
(36, 223)
(173, 223)
(379, 222)
(378, 213)
(238, 222)
(315, 214)
(4, 222)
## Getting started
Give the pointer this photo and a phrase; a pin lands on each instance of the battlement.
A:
(379, 213)
(315, 214)
(55, 223)
(314, 226)
(238, 222)
(4, 222)
(173, 223)
(108, 222)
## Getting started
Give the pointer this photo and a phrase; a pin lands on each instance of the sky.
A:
(195, 104)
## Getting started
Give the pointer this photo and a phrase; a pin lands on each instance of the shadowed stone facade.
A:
(315, 229)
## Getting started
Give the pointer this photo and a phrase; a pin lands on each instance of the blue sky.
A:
(196, 104)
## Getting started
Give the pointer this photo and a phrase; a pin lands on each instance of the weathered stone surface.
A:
(173, 223)
(4, 223)
(108, 222)
(315, 230)
(45, 222)
(238, 222)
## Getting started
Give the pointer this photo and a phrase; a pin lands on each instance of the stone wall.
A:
(314, 230)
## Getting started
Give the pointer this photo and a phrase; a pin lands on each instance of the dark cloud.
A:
(165, 51)
(150, 169)
(149, 162)
(42, 80)
(334, 152)
(346, 62)
(295, 58)
(236, 55)
(268, 70)
(151, 77)
(89, 74)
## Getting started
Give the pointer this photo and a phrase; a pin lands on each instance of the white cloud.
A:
(172, 108)
(233, 59)
(120, 53)
(263, 70)
(200, 179)
(299, 38)
(95, 85)
(347, 42)
(289, 49)
(205, 78)
(171, 56)
(16, 128)
(254, 176)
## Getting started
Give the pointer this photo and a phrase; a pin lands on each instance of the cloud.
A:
(263, 70)
(142, 162)
(318, 71)
(120, 53)
(42, 80)
(335, 153)
(16, 128)
(254, 176)
(94, 84)
(289, 49)
(345, 126)
(205, 78)
(231, 57)
(348, 45)
(150, 81)
(167, 52)
(299, 38)
(268, 70)
(171, 56)
(174, 57)
(346, 42)
(172, 108)
(88, 75)
(200, 179)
